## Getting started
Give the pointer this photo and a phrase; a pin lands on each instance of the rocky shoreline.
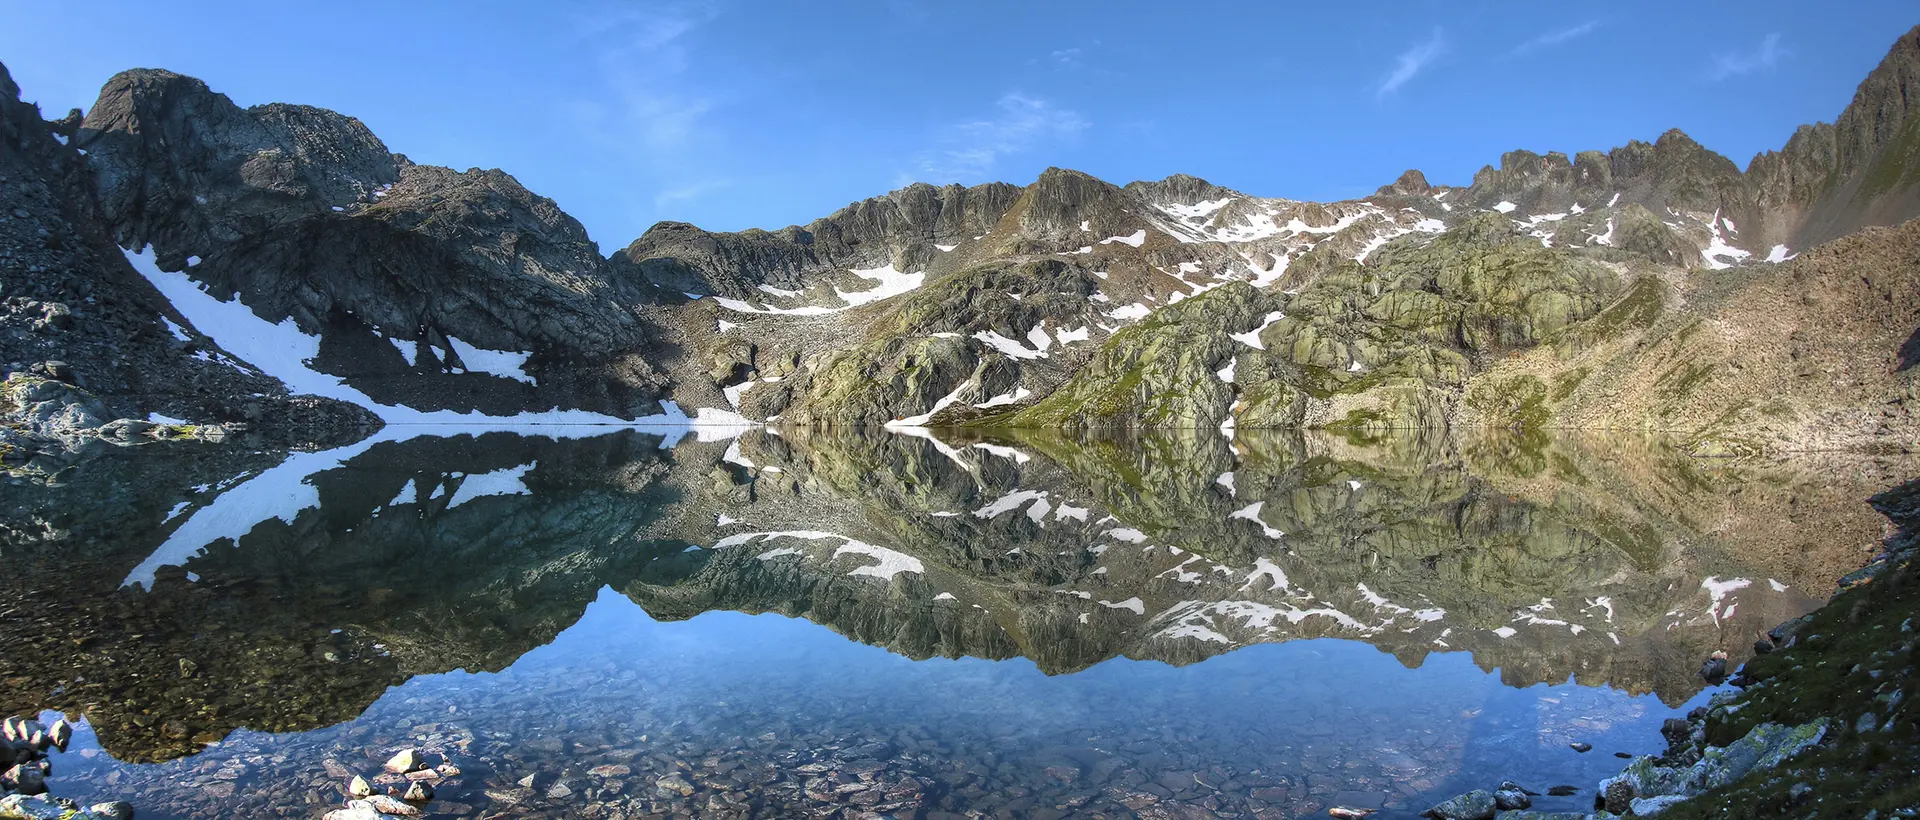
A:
(1825, 694)
(25, 744)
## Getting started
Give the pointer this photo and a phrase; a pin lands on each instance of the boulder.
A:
(1474, 805)
(405, 760)
(1510, 796)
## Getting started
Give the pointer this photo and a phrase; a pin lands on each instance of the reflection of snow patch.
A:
(1717, 590)
(1003, 452)
(1251, 512)
(1263, 567)
(1009, 502)
(889, 562)
(498, 482)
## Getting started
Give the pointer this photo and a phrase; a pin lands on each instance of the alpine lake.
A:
(918, 624)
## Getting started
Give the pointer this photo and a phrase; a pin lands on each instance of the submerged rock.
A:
(1474, 805)
(42, 807)
(406, 760)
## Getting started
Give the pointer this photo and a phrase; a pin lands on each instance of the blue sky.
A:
(737, 114)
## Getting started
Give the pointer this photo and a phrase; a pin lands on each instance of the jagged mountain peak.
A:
(1410, 183)
(1180, 189)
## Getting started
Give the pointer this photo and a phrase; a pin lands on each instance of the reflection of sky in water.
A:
(299, 599)
(1329, 718)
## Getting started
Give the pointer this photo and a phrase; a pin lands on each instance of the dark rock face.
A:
(1673, 171)
(304, 214)
(1859, 171)
(1829, 180)
(1181, 188)
(900, 229)
(77, 320)
(180, 166)
(1411, 183)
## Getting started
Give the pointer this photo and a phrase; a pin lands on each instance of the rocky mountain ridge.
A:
(427, 294)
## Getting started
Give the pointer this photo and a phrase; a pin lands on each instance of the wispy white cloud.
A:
(1737, 63)
(643, 57)
(688, 193)
(1413, 61)
(1554, 38)
(1068, 58)
(971, 149)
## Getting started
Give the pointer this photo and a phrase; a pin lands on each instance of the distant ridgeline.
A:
(195, 268)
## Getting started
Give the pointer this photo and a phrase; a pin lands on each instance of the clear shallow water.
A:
(1039, 627)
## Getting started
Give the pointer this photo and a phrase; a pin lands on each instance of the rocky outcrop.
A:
(1833, 179)
(1828, 180)
(84, 340)
(1803, 355)
(304, 215)
(904, 229)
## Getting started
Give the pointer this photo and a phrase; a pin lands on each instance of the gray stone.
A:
(1511, 796)
(388, 804)
(673, 783)
(115, 810)
(34, 807)
(1650, 806)
(1474, 805)
(405, 760)
(26, 778)
(1618, 796)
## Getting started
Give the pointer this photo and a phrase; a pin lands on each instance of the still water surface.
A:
(846, 624)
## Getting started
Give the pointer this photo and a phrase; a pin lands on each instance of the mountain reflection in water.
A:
(238, 630)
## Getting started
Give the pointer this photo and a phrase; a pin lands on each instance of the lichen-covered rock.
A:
(1474, 805)
(50, 408)
(1164, 371)
(42, 807)
(1648, 786)
(946, 340)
